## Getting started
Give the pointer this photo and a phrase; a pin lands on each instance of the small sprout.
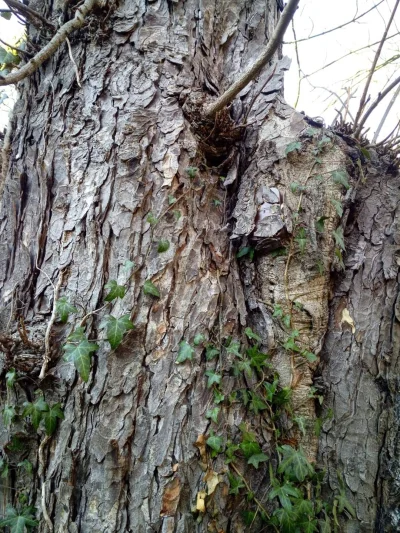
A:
(191, 172)
(216, 202)
(198, 339)
(151, 219)
(163, 246)
(212, 414)
(246, 250)
(171, 199)
(340, 177)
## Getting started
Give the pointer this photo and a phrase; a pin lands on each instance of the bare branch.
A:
(298, 66)
(19, 50)
(262, 60)
(28, 12)
(52, 46)
(385, 115)
(374, 104)
(348, 54)
(333, 29)
(372, 69)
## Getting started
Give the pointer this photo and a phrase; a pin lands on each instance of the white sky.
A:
(316, 16)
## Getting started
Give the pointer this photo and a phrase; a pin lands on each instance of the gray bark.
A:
(85, 168)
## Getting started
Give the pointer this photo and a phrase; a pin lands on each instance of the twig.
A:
(42, 465)
(385, 115)
(47, 348)
(27, 11)
(392, 133)
(346, 55)
(15, 48)
(78, 80)
(262, 60)
(332, 29)
(374, 104)
(260, 505)
(296, 48)
(46, 52)
(372, 69)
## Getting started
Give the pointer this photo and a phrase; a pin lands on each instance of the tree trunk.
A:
(100, 174)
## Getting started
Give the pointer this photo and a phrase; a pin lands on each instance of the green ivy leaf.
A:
(218, 396)
(365, 152)
(213, 414)
(177, 215)
(211, 352)
(77, 335)
(18, 522)
(191, 172)
(310, 356)
(233, 348)
(64, 309)
(245, 250)
(50, 418)
(250, 448)
(11, 377)
(185, 352)
(301, 239)
(9, 413)
(150, 289)
(291, 345)
(3, 55)
(340, 177)
(128, 266)
(198, 339)
(235, 484)
(301, 422)
(151, 219)
(294, 464)
(116, 329)
(26, 465)
(171, 199)
(215, 443)
(283, 493)
(6, 15)
(320, 224)
(116, 291)
(80, 355)
(163, 246)
(291, 147)
(256, 403)
(278, 311)
(338, 206)
(213, 378)
(251, 335)
(339, 238)
(256, 459)
(35, 411)
(287, 320)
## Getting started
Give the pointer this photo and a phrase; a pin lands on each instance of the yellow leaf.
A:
(346, 319)
(200, 503)
(212, 480)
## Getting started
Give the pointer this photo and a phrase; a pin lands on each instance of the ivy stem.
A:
(260, 505)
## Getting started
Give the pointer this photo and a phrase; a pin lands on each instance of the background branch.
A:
(262, 60)
(52, 46)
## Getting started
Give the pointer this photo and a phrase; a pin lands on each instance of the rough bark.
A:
(360, 363)
(86, 167)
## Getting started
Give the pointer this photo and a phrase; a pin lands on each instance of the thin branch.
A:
(262, 60)
(333, 29)
(374, 104)
(46, 52)
(47, 347)
(385, 115)
(374, 63)
(346, 55)
(28, 12)
(296, 48)
(78, 80)
(19, 50)
(393, 134)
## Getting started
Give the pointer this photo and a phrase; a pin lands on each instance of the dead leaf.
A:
(201, 445)
(170, 499)
(212, 480)
(200, 503)
(346, 319)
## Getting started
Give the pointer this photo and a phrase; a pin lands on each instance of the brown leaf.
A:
(201, 445)
(170, 499)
